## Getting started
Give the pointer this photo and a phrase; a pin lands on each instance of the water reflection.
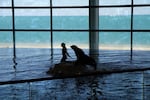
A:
(123, 86)
(91, 86)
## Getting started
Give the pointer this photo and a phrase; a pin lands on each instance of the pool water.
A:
(33, 63)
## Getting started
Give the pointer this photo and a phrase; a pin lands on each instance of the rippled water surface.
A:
(116, 86)
(125, 86)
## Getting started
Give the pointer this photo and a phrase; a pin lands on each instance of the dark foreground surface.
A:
(116, 77)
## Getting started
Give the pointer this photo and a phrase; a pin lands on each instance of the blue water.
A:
(76, 22)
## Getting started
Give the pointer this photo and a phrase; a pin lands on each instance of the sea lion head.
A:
(73, 47)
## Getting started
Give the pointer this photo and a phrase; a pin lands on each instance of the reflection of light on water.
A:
(127, 85)
(114, 86)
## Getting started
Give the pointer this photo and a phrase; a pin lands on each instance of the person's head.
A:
(63, 44)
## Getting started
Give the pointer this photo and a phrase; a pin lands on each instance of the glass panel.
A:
(114, 18)
(141, 1)
(114, 2)
(32, 2)
(32, 19)
(6, 51)
(114, 40)
(33, 39)
(32, 44)
(141, 41)
(114, 47)
(141, 47)
(80, 39)
(5, 39)
(5, 19)
(70, 19)
(5, 3)
(32, 12)
(70, 2)
(141, 18)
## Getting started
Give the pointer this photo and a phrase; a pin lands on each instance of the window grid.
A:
(51, 7)
(131, 37)
(14, 35)
(59, 7)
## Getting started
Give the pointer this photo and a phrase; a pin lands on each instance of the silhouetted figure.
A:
(82, 58)
(64, 52)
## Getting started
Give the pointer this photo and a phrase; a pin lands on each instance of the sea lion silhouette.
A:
(82, 58)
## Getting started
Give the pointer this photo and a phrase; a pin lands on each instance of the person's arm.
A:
(68, 54)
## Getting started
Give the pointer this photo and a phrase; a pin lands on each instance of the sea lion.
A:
(82, 58)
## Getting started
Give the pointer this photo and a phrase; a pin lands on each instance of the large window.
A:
(123, 24)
